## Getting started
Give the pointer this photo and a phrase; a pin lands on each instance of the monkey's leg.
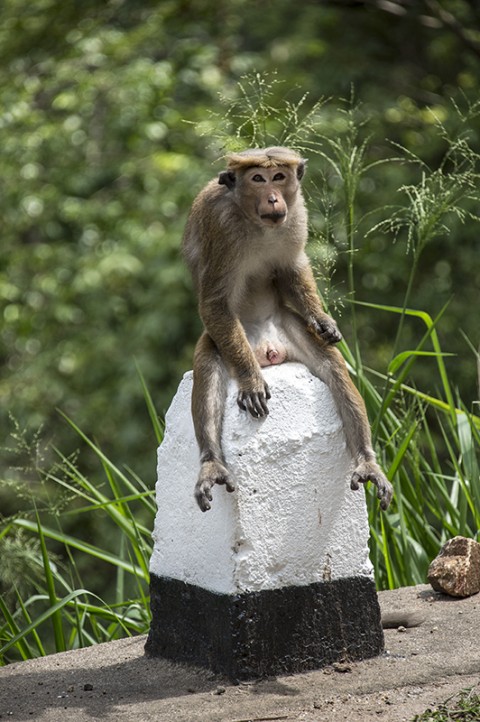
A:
(210, 379)
(328, 364)
(357, 428)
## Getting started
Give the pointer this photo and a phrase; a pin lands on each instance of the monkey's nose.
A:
(272, 199)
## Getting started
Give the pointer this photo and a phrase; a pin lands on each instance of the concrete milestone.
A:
(276, 577)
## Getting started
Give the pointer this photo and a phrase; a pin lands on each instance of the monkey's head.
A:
(264, 182)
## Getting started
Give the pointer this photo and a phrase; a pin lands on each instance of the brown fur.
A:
(244, 244)
(264, 158)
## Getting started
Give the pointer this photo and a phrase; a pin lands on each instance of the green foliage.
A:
(110, 118)
(428, 444)
(63, 612)
(462, 707)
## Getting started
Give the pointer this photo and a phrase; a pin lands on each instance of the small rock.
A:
(220, 690)
(456, 569)
(341, 667)
(88, 687)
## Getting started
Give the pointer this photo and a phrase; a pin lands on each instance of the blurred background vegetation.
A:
(112, 117)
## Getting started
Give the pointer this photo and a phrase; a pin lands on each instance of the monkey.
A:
(244, 243)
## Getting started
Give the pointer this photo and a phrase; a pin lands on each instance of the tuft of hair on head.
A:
(264, 158)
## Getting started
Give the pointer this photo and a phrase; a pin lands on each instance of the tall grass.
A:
(427, 443)
(62, 612)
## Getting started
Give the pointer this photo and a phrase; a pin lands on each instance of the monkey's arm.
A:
(228, 335)
(297, 287)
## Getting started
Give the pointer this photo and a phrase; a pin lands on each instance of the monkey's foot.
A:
(211, 473)
(370, 471)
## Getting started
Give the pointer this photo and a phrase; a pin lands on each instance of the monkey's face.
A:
(264, 194)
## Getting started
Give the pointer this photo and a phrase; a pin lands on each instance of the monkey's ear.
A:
(227, 178)
(301, 169)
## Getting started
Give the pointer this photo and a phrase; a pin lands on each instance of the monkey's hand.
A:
(253, 396)
(370, 471)
(325, 327)
(211, 473)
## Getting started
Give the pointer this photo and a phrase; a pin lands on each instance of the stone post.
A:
(275, 578)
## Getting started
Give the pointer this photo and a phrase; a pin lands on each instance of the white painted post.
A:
(276, 576)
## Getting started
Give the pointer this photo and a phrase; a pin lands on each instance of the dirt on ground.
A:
(420, 668)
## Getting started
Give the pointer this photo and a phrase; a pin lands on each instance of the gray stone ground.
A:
(421, 667)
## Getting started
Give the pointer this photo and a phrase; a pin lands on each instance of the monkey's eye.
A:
(258, 178)
(279, 176)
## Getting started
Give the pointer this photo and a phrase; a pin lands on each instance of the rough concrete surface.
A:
(422, 666)
(299, 524)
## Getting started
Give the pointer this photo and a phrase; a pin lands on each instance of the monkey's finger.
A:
(385, 494)
(384, 498)
(225, 481)
(203, 495)
(254, 407)
(258, 406)
(354, 486)
(253, 402)
(246, 403)
(250, 404)
(262, 403)
(268, 395)
(202, 501)
(241, 401)
(331, 335)
(384, 489)
(355, 482)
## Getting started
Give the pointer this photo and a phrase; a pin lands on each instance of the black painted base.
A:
(257, 634)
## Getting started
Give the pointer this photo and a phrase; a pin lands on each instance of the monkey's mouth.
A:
(274, 219)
